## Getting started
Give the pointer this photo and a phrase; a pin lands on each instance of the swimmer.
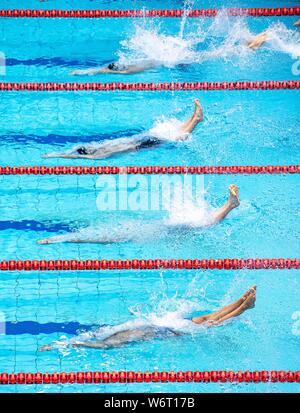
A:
(116, 68)
(121, 145)
(216, 216)
(297, 23)
(246, 302)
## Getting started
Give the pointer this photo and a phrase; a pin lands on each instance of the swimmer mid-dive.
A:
(116, 68)
(116, 146)
(123, 69)
(150, 332)
(78, 238)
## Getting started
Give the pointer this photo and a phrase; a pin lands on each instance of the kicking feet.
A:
(198, 110)
(258, 41)
(247, 302)
(234, 196)
(250, 299)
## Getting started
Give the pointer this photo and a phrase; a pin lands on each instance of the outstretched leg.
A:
(233, 202)
(246, 302)
(258, 40)
(193, 121)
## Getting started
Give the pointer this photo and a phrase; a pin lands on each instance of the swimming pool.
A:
(239, 128)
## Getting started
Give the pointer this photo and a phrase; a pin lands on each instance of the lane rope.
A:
(252, 11)
(89, 377)
(94, 86)
(149, 170)
(150, 264)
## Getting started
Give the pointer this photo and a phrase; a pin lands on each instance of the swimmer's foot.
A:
(250, 301)
(252, 290)
(234, 196)
(198, 109)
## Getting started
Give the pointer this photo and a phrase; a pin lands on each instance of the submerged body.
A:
(146, 333)
(80, 238)
(128, 69)
(109, 148)
(116, 68)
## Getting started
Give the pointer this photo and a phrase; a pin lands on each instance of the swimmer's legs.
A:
(232, 203)
(258, 40)
(67, 156)
(246, 302)
(197, 117)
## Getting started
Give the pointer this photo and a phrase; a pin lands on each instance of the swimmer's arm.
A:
(97, 71)
(89, 72)
(73, 156)
(90, 344)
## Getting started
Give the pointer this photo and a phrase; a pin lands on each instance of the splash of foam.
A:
(150, 45)
(186, 211)
(284, 40)
(226, 37)
(168, 129)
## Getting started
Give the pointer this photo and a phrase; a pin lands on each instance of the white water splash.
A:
(168, 130)
(188, 209)
(152, 46)
(284, 40)
(225, 38)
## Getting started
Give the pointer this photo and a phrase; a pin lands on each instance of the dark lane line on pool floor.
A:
(35, 328)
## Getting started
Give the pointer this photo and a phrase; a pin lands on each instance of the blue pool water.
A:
(239, 128)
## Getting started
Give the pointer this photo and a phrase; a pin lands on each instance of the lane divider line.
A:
(149, 170)
(252, 11)
(96, 377)
(150, 264)
(124, 86)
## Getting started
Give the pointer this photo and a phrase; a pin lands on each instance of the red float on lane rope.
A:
(151, 264)
(88, 14)
(149, 170)
(97, 377)
(69, 87)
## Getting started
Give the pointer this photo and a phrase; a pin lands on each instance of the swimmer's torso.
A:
(139, 334)
(107, 148)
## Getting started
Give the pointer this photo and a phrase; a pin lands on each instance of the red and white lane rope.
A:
(89, 377)
(149, 170)
(252, 11)
(151, 264)
(94, 86)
